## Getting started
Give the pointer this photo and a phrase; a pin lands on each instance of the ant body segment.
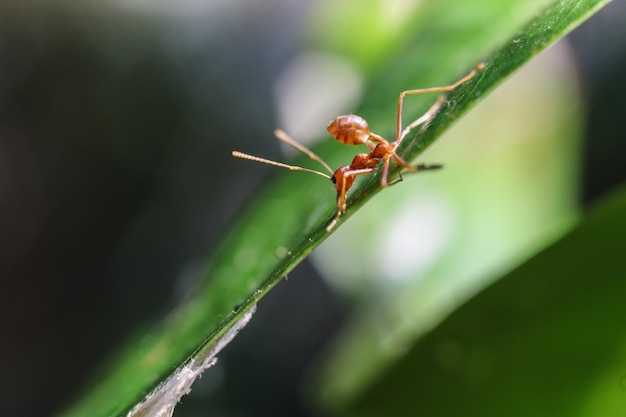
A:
(354, 130)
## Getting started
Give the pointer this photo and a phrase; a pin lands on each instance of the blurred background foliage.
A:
(116, 124)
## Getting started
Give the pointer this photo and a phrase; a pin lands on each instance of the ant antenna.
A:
(283, 137)
(242, 155)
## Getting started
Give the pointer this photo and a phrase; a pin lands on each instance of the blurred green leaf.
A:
(287, 220)
(547, 339)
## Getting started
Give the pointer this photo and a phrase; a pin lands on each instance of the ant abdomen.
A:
(350, 129)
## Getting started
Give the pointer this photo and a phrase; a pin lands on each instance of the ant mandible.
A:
(354, 130)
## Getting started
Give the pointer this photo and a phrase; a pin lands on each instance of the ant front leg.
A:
(343, 179)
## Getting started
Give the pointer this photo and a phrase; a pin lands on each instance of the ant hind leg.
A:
(443, 89)
(430, 113)
(397, 180)
(416, 168)
(428, 167)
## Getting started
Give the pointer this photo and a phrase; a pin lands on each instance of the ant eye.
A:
(334, 179)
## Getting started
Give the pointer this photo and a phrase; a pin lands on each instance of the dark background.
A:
(115, 126)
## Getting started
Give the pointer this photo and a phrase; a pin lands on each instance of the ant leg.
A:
(397, 180)
(377, 138)
(443, 89)
(383, 178)
(402, 162)
(332, 224)
(430, 113)
(414, 169)
(425, 167)
(355, 173)
(341, 207)
(420, 167)
(342, 202)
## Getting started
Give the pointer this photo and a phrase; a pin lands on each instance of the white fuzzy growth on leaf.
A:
(163, 399)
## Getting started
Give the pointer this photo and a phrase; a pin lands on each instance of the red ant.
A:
(354, 130)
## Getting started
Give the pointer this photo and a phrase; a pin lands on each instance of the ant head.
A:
(341, 180)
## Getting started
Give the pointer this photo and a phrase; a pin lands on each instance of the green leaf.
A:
(547, 339)
(288, 219)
